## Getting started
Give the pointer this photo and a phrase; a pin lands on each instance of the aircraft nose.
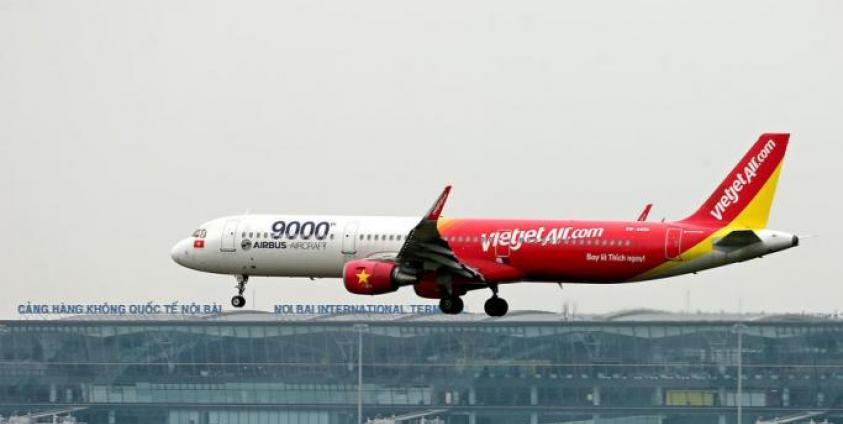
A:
(180, 253)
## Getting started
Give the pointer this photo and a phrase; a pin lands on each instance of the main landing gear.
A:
(495, 306)
(238, 301)
(451, 305)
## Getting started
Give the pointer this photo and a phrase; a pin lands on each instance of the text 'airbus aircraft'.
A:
(443, 258)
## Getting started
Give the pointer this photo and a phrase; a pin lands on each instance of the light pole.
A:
(739, 329)
(360, 328)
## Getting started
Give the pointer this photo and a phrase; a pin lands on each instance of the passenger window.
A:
(332, 236)
(604, 242)
(368, 236)
(361, 236)
(391, 237)
(628, 242)
(398, 237)
(244, 235)
(265, 235)
(611, 242)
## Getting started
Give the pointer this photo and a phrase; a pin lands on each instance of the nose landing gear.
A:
(238, 301)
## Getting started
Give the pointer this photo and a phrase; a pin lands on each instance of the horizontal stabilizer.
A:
(738, 238)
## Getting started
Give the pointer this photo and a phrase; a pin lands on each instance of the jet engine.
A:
(374, 277)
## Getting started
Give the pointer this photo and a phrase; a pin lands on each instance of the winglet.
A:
(436, 209)
(645, 213)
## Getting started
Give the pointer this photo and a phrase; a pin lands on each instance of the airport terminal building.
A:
(637, 367)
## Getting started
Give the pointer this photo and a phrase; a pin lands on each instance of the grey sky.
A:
(124, 125)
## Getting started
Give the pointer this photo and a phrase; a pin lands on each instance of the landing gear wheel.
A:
(496, 307)
(238, 301)
(451, 305)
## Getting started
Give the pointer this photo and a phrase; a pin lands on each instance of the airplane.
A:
(443, 258)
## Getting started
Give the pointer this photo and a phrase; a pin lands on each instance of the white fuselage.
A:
(288, 245)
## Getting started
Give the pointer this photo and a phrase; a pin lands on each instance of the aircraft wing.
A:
(425, 250)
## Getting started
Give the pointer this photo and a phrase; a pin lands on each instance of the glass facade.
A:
(513, 370)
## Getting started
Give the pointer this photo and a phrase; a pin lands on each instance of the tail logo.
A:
(731, 194)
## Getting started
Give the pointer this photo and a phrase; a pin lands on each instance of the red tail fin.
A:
(745, 196)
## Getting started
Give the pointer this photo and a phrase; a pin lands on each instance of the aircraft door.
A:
(502, 251)
(349, 239)
(673, 244)
(229, 236)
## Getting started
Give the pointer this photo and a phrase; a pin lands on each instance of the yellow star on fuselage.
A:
(363, 277)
